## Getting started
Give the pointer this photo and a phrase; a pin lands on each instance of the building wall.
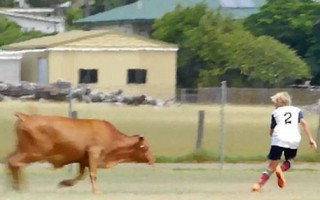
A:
(41, 12)
(10, 70)
(29, 65)
(22, 3)
(112, 70)
(10, 63)
(28, 24)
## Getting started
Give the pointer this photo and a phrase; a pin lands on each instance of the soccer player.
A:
(285, 138)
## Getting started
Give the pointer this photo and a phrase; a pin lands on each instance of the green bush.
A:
(10, 32)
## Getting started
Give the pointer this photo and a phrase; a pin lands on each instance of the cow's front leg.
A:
(93, 155)
(15, 161)
(72, 182)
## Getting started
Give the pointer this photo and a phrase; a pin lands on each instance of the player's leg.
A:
(274, 157)
(280, 177)
(289, 155)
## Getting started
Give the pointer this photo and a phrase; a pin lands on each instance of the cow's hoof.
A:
(96, 191)
(17, 188)
(65, 183)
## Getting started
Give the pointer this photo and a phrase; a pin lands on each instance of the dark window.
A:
(88, 76)
(137, 76)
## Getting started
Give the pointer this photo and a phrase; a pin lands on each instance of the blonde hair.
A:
(281, 99)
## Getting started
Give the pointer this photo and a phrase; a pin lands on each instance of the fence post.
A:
(318, 132)
(183, 95)
(73, 114)
(200, 129)
(70, 102)
(222, 125)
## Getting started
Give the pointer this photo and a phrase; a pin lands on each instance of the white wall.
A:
(42, 24)
(44, 12)
(22, 3)
(10, 65)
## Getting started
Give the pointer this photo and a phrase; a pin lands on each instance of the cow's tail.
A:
(21, 116)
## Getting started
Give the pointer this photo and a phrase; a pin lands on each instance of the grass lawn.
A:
(170, 182)
(170, 130)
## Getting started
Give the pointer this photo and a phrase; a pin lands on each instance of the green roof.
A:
(148, 10)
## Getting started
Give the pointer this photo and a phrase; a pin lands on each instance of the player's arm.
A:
(307, 132)
(271, 131)
(272, 124)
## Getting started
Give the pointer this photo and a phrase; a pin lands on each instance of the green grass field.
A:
(170, 130)
(169, 182)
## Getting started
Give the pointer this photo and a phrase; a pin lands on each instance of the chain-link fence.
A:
(258, 96)
(238, 132)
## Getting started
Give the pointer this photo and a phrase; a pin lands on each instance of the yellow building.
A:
(102, 59)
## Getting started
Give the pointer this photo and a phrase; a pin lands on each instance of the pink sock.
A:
(264, 177)
(285, 165)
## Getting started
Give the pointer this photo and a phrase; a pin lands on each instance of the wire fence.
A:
(306, 98)
(258, 96)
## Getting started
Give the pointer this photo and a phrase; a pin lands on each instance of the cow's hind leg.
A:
(72, 182)
(14, 163)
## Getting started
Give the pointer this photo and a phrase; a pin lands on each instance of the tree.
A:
(214, 47)
(72, 14)
(6, 3)
(204, 41)
(293, 23)
(103, 5)
(180, 27)
(263, 60)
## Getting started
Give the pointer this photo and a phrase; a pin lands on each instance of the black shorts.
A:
(276, 153)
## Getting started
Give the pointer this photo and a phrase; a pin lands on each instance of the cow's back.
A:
(62, 140)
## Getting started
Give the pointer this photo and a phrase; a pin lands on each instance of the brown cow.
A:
(62, 140)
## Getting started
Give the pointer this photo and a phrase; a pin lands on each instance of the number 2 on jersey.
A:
(287, 116)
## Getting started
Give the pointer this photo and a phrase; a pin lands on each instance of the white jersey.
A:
(285, 125)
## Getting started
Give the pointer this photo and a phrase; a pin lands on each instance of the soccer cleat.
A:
(280, 176)
(256, 187)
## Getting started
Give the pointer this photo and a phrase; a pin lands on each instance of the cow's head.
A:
(141, 150)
